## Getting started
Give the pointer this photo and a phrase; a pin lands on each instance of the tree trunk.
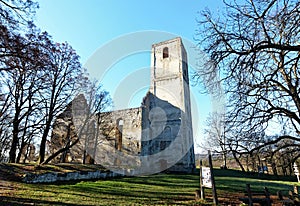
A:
(247, 163)
(64, 149)
(44, 140)
(28, 150)
(42, 149)
(84, 156)
(13, 148)
(238, 161)
(14, 144)
(51, 157)
(68, 138)
(274, 169)
(224, 159)
(21, 150)
(96, 139)
(253, 162)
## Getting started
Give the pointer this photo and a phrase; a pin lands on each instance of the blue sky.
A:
(90, 25)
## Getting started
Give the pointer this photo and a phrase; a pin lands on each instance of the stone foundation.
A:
(69, 176)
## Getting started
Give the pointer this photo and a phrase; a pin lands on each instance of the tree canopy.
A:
(255, 48)
(38, 79)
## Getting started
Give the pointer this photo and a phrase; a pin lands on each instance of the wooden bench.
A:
(262, 198)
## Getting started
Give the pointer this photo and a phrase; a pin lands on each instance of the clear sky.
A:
(90, 25)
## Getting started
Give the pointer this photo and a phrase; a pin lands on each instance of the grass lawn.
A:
(161, 189)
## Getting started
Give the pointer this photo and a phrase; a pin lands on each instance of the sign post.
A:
(214, 189)
(207, 180)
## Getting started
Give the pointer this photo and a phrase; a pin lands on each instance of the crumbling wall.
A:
(64, 133)
(120, 138)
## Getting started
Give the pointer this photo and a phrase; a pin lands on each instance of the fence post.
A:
(214, 189)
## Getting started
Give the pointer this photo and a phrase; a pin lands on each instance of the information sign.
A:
(206, 177)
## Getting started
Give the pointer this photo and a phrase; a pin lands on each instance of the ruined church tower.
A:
(155, 137)
(169, 74)
(168, 135)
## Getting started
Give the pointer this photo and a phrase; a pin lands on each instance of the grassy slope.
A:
(162, 189)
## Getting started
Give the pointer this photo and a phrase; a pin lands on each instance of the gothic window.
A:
(167, 132)
(120, 122)
(166, 52)
(119, 134)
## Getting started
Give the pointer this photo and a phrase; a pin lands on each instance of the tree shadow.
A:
(13, 201)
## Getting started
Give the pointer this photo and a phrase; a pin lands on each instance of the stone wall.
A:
(64, 133)
(68, 176)
(120, 138)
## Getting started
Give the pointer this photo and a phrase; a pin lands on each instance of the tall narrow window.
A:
(167, 132)
(119, 134)
(166, 52)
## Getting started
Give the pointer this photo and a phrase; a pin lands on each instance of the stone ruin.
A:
(157, 136)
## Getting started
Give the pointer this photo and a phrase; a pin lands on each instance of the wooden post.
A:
(202, 194)
(267, 193)
(250, 203)
(214, 189)
(296, 189)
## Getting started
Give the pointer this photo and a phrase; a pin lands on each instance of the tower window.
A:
(166, 52)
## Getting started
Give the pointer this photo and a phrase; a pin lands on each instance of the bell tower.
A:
(169, 73)
(170, 92)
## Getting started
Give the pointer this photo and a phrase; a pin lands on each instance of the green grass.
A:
(161, 189)
(153, 190)
(235, 181)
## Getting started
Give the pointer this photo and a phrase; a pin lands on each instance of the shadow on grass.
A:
(169, 180)
(27, 201)
(252, 175)
(157, 189)
(235, 181)
(160, 186)
(151, 190)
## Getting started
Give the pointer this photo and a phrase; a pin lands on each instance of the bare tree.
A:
(14, 13)
(5, 120)
(37, 75)
(22, 82)
(17, 52)
(215, 138)
(61, 81)
(98, 101)
(80, 118)
(255, 47)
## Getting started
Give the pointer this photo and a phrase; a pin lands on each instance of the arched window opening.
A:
(119, 134)
(166, 52)
(120, 122)
(167, 132)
